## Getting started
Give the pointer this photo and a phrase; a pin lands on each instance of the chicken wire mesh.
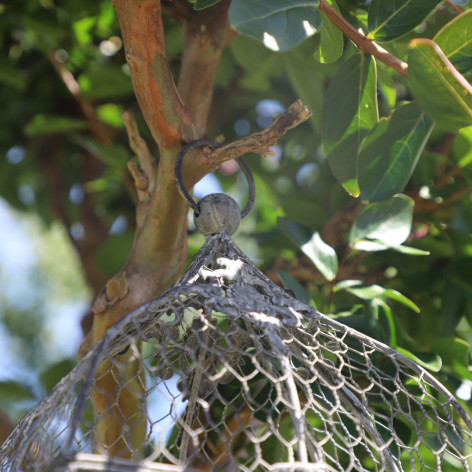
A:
(226, 371)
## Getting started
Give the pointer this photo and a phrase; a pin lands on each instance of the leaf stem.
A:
(361, 40)
(333, 282)
(454, 6)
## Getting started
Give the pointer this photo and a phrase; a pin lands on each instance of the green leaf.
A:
(331, 39)
(387, 222)
(279, 24)
(49, 124)
(462, 147)
(373, 245)
(11, 75)
(370, 292)
(297, 288)
(367, 293)
(53, 374)
(115, 155)
(293, 231)
(455, 41)
(388, 20)
(453, 304)
(349, 112)
(110, 113)
(202, 4)
(399, 297)
(105, 82)
(391, 151)
(113, 252)
(411, 251)
(83, 29)
(11, 391)
(452, 350)
(440, 89)
(322, 255)
(345, 284)
(307, 83)
(425, 359)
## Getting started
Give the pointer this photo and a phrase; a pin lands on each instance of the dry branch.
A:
(257, 143)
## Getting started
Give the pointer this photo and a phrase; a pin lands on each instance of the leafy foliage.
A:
(331, 222)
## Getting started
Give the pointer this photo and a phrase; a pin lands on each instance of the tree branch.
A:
(258, 143)
(206, 34)
(97, 128)
(361, 40)
(144, 179)
(454, 6)
(143, 35)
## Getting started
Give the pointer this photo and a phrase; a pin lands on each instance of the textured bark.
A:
(159, 247)
(174, 119)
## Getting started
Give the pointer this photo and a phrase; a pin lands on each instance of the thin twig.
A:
(454, 6)
(260, 142)
(95, 125)
(361, 40)
(144, 177)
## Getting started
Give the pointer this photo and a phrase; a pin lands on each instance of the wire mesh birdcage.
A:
(227, 371)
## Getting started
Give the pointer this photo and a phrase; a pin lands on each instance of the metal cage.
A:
(227, 371)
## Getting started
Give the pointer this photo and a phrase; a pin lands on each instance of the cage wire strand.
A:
(240, 376)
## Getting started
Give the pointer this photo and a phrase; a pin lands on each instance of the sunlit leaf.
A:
(110, 113)
(462, 146)
(455, 41)
(443, 93)
(279, 24)
(322, 255)
(367, 293)
(427, 360)
(349, 112)
(412, 251)
(331, 39)
(399, 297)
(370, 292)
(387, 222)
(345, 284)
(391, 151)
(388, 20)
(82, 29)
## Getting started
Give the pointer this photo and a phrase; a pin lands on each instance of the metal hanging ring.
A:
(212, 145)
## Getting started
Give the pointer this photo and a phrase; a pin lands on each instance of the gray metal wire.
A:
(213, 145)
(237, 375)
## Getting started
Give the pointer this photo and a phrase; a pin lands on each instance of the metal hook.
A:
(213, 145)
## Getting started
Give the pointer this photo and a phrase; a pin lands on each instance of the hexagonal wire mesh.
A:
(226, 371)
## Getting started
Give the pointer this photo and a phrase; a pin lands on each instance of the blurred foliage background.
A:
(396, 267)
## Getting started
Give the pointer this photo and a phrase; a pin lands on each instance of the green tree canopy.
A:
(363, 206)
